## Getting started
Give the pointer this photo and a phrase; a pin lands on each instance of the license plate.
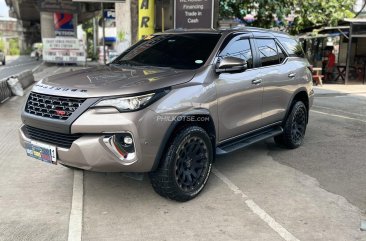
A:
(42, 152)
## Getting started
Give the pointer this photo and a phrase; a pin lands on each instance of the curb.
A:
(330, 94)
(5, 92)
(24, 80)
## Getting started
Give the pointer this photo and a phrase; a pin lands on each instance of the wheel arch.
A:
(300, 95)
(183, 120)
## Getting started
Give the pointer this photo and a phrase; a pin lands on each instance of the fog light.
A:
(122, 146)
(127, 140)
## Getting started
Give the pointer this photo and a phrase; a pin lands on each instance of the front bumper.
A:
(91, 151)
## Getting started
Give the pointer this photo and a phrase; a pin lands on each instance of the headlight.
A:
(131, 103)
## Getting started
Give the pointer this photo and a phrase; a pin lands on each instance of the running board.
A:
(248, 140)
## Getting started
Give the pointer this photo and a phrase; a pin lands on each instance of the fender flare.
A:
(171, 129)
(290, 103)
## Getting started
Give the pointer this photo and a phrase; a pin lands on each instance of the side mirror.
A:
(231, 65)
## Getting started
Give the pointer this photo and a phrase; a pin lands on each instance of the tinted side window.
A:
(240, 49)
(292, 46)
(268, 52)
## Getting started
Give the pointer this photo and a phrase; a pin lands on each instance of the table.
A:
(341, 69)
(318, 77)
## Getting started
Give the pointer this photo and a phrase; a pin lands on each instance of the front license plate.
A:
(40, 151)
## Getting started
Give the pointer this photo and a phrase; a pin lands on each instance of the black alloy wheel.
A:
(298, 126)
(191, 163)
(184, 169)
(294, 127)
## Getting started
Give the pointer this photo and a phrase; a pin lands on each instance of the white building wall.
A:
(123, 25)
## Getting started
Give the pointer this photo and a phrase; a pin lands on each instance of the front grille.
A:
(51, 137)
(54, 107)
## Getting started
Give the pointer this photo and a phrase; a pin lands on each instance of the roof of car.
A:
(231, 30)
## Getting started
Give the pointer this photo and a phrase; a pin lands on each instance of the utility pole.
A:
(103, 23)
(95, 36)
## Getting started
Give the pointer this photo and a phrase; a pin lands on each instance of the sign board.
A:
(190, 14)
(58, 6)
(146, 18)
(101, 1)
(109, 14)
(109, 18)
(64, 24)
(63, 50)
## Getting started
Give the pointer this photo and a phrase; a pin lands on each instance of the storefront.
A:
(348, 42)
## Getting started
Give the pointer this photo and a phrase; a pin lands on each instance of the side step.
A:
(248, 140)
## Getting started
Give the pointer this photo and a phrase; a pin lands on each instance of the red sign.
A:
(64, 24)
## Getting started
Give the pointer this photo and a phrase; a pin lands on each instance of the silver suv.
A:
(171, 103)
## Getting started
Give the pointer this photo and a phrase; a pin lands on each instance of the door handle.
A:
(291, 75)
(256, 81)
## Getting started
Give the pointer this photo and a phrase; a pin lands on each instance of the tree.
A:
(2, 43)
(14, 46)
(266, 11)
(270, 13)
(312, 13)
(88, 28)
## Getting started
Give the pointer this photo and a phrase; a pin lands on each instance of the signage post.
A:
(103, 25)
(146, 18)
(193, 14)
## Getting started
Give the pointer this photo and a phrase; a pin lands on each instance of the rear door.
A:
(239, 95)
(278, 76)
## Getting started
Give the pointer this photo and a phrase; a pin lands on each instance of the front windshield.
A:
(180, 51)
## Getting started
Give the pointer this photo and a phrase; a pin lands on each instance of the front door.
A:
(239, 94)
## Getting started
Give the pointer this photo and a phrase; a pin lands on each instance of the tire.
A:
(184, 169)
(294, 127)
(4, 62)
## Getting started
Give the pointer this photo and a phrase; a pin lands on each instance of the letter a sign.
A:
(146, 17)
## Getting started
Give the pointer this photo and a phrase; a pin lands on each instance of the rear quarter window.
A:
(292, 46)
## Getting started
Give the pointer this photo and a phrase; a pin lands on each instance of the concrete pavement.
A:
(316, 192)
(35, 198)
(334, 151)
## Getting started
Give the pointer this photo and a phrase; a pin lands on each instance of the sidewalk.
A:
(339, 89)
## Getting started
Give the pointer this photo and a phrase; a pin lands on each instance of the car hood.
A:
(111, 80)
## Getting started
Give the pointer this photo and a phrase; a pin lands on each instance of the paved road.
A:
(335, 149)
(316, 192)
(15, 65)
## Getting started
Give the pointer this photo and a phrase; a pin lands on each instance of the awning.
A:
(326, 32)
(355, 20)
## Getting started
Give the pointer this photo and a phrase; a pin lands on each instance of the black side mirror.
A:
(231, 65)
